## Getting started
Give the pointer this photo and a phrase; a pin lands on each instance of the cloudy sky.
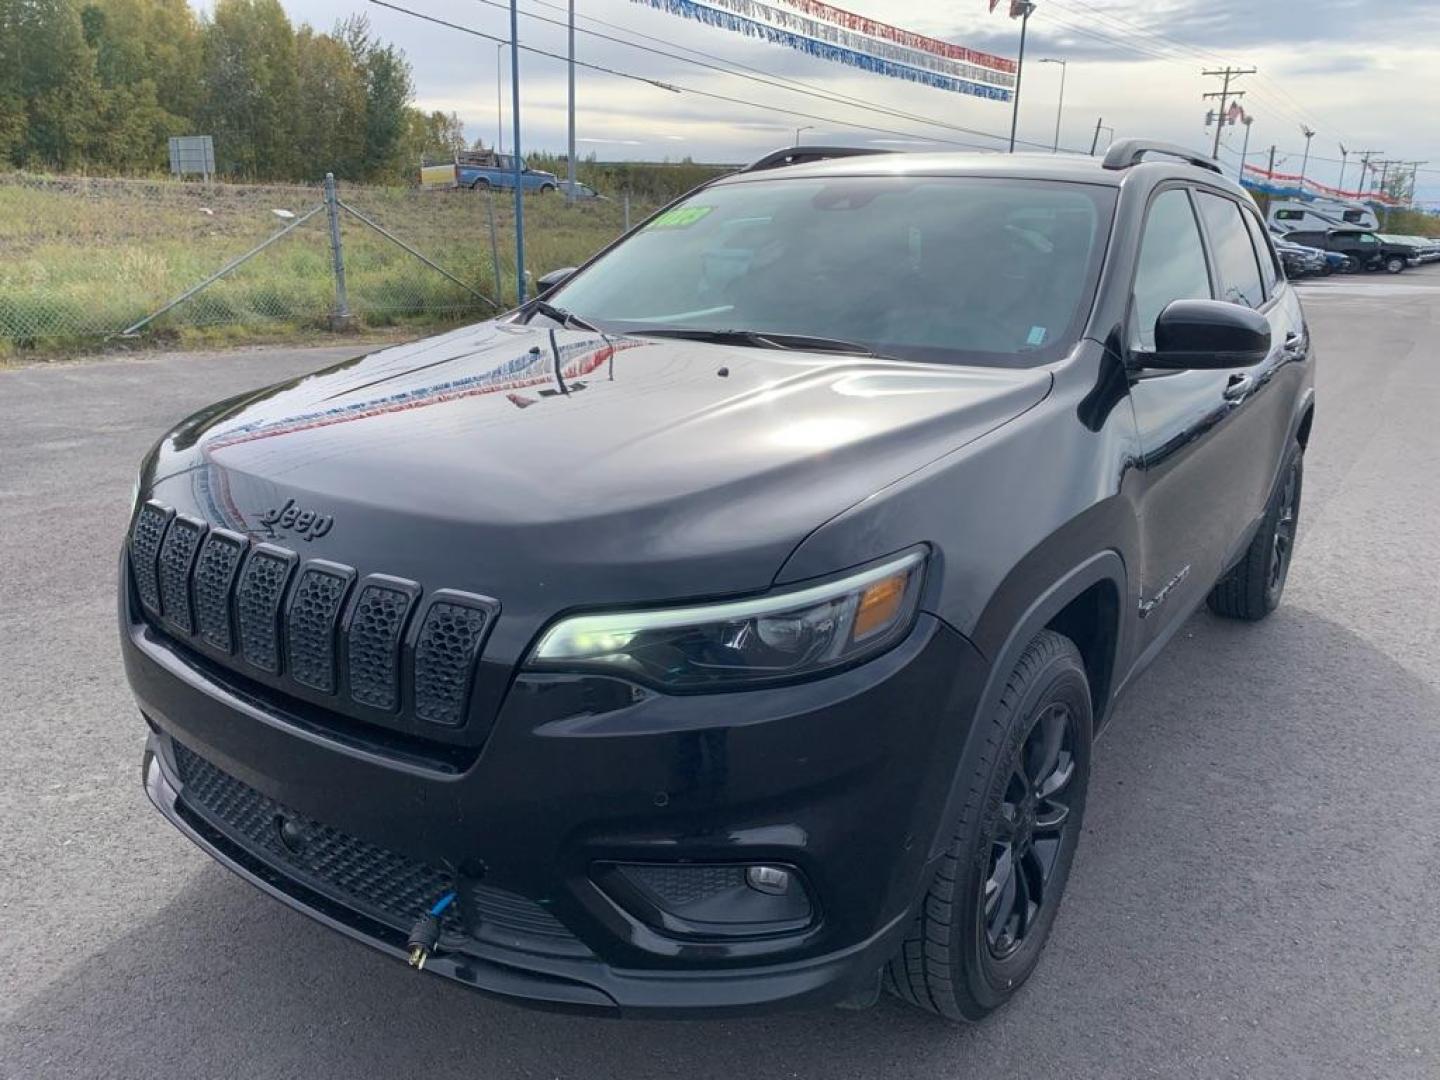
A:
(1365, 75)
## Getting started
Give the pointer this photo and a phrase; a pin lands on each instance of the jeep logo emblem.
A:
(290, 518)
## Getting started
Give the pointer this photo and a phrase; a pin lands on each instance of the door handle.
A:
(1238, 387)
(1297, 345)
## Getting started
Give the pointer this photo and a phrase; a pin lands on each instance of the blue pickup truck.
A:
(482, 169)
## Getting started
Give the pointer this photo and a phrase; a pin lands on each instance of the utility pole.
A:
(499, 105)
(1023, 8)
(1225, 96)
(515, 153)
(570, 158)
(1060, 105)
(1309, 134)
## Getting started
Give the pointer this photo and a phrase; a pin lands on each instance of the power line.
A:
(770, 78)
(763, 78)
(1163, 41)
(674, 88)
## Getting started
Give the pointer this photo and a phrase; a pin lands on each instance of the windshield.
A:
(962, 269)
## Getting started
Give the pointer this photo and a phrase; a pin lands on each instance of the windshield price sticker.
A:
(682, 217)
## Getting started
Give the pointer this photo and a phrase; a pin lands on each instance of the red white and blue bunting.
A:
(1292, 186)
(884, 54)
(908, 38)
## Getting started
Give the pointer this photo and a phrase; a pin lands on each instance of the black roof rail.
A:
(799, 155)
(1128, 152)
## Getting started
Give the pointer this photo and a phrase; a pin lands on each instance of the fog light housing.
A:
(710, 900)
(768, 879)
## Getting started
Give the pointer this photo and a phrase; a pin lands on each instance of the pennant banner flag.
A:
(856, 48)
(1290, 184)
(908, 38)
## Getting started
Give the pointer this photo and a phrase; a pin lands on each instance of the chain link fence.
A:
(84, 260)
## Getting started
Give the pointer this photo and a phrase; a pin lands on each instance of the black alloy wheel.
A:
(1029, 831)
(1282, 545)
(980, 926)
(1252, 588)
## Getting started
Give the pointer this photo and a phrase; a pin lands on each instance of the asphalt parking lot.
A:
(1257, 893)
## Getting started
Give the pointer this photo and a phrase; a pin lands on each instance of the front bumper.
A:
(842, 779)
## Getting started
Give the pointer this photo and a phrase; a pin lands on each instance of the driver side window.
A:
(1171, 266)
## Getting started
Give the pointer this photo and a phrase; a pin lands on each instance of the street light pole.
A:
(499, 100)
(807, 127)
(1024, 7)
(570, 158)
(515, 153)
(1060, 107)
(1309, 134)
(1245, 150)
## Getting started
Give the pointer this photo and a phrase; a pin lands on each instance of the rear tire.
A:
(1253, 587)
(480, 185)
(982, 923)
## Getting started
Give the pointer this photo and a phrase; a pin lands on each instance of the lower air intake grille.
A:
(383, 884)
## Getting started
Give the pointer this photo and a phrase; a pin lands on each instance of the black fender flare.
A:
(1103, 566)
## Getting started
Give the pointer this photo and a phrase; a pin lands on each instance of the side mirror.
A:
(552, 279)
(1193, 334)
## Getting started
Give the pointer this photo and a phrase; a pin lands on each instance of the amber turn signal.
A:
(880, 605)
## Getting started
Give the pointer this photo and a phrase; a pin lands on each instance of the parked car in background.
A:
(1367, 249)
(582, 192)
(1301, 261)
(480, 169)
(1427, 248)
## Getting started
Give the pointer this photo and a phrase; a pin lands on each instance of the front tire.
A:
(1394, 264)
(1253, 587)
(984, 919)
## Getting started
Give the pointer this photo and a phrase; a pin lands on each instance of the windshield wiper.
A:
(560, 315)
(761, 338)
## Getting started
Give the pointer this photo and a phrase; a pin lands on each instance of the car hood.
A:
(627, 469)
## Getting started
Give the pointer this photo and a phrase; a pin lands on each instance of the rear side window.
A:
(1234, 253)
(1172, 262)
(1269, 271)
(1289, 215)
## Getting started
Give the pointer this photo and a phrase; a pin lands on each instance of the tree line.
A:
(101, 85)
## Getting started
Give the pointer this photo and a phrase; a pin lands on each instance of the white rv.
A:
(1290, 215)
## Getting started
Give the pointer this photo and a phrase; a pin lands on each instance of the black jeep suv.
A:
(730, 627)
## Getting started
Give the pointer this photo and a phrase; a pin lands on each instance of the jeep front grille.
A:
(313, 627)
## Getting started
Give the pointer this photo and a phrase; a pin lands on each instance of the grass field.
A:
(82, 259)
